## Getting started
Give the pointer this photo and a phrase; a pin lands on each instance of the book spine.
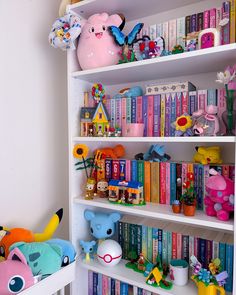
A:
(149, 243)
(123, 112)
(184, 175)
(134, 170)
(168, 183)
(113, 112)
(128, 110)
(101, 170)
(95, 283)
(139, 110)
(108, 106)
(141, 172)
(200, 186)
(196, 246)
(200, 21)
(187, 25)
(213, 18)
(165, 247)
(104, 285)
(159, 30)
(108, 169)
(162, 115)
(128, 170)
(221, 104)
(225, 31)
(206, 176)
(165, 34)
(222, 248)
(192, 102)
(215, 250)
(232, 21)
(147, 181)
(202, 99)
(125, 251)
(118, 115)
(172, 182)
(120, 234)
(178, 104)
(179, 245)
(191, 246)
(139, 239)
(133, 109)
(209, 245)
(117, 287)
(90, 282)
(193, 23)
(218, 18)
(150, 116)
(178, 180)
(185, 102)
(156, 114)
(232, 172)
(162, 182)
(180, 31)
(144, 240)
(113, 286)
(202, 252)
(135, 290)
(174, 245)
(172, 33)
(154, 244)
(172, 113)
(169, 247)
(167, 114)
(185, 248)
(115, 169)
(229, 258)
(160, 232)
(145, 116)
(122, 169)
(206, 19)
(225, 170)
(153, 32)
(155, 193)
(212, 97)
(132, 233)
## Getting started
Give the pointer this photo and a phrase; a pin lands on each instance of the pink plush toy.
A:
(15, 274)
(96, 47)
(220, 196)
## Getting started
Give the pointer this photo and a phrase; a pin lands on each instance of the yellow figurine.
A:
(208, 290)
(207, 155)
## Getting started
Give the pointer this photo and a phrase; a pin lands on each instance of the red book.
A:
(116, 169)
(213, 18)
(168, 183)
(206, 19)
(225, 170)
(179, 246)
(174, 245)
(185, 103)
(162, 182)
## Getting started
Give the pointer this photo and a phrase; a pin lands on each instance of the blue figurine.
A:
(87, 248)
(130, 92)
(102, 225)
(156, 153)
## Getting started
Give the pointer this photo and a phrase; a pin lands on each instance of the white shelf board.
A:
(162, 212)
(206, 139)
(54, 282)
(141, 8)
(187, 63)
(124, 274)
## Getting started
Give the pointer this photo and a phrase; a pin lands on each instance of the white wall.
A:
(33, 117)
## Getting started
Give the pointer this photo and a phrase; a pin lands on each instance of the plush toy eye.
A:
(2, 251)
(104, 28)
(109, 231)
(91, 230)
(65, 261)
(91, 30)
(90, 249)
(16, 284)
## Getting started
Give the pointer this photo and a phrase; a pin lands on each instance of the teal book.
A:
(222, 254)
(144, 239)
(149, 244)
(172, 182)
(164, 247)
(154, 244)
(229, 259)
(139, 238)
(169, 247)
(134, 170)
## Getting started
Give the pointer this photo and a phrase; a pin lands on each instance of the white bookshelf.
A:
(199, 67)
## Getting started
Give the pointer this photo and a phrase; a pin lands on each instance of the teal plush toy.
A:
(43, 259)
(68, 250)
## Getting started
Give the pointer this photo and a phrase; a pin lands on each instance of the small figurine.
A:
(183, 126)
(145, 48)
(116, 152)
(102, 188)
(109, 253)
(207, 155)
(87, 248)
(141, 262)
(90, 188)
(177, 49)
(129, 92)
(156, 153)
(209, 38)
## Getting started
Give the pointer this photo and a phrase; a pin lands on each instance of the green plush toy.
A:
(43, 259)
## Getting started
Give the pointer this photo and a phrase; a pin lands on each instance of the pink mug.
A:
(133, 129)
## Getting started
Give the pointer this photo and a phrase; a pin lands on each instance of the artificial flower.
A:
(183, 123)
(204, 275)
(226, 76)
(80, 151)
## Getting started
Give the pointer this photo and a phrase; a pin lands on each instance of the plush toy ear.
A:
(15, 245)
(57, 249)
(115, 20)
(115, 216)
(81, 243)
(93, 243)
(89, 215)
(17, 255)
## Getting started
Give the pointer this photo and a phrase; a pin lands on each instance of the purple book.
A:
(200, 21)
(157, 115)
(193, 23)
(225, 31)
(145, 110)
(167, 115)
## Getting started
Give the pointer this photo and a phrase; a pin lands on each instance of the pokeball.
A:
(109, 253)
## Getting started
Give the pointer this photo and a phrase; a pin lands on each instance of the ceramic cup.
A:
(179, 272)
(133, 129)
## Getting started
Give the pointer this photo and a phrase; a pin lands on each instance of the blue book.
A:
(122, 169)
(95, 283)
(120, 233)
(229, 258)
(164, 247)
(128, 110)
(145, 117)
(212, 97)
(193, 23)
(202, 252)
(160, 231)
(140, 291)
(200, 186)
(99, 286)
(172, 182)
(134, 170)
(222, 247)
(124, 288)
(154, 244)
(185, 247)
(172, 113)
(149, 244)
(156, 115)
(133, 109)
(113, 286)
(139, 239)
(193, 102)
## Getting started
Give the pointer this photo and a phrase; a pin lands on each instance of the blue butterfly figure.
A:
(126, 41)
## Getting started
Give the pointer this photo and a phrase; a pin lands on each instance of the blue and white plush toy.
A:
(102, 225)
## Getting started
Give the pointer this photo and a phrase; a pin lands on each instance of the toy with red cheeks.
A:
(96, 47)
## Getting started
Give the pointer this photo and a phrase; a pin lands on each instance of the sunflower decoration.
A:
(183, 125)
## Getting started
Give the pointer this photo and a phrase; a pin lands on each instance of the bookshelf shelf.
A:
(162, 212)
(120, 272)
(183, 64)
(207, 139)
(131, 12)
(54, 282)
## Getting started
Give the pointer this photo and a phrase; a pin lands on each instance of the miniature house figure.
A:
(100, 120)
(86, 115)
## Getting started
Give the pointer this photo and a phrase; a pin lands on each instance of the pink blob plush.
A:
(219, 200)
(96, 47)
(15, 274)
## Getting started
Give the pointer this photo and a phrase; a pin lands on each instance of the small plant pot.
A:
(176, 208)
(189, 210)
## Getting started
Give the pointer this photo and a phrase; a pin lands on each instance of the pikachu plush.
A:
(207, 155)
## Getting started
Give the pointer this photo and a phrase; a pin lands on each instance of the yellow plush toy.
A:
(64, 3)
(208, 155)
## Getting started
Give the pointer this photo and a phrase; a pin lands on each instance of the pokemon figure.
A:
(87, 248)
(207, 155)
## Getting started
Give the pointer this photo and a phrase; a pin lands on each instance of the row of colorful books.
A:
(162, 181)
(158, 112)
(175, 31)
(99, 284)
(175, 241)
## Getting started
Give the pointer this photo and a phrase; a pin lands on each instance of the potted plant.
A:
(188, 198)
(176, 206)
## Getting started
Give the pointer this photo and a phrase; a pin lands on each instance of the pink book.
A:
(139, 110)
(213, 18)
(165, 34)
(172, 33)
(174, 245)
(108, 106)
(117, 287)
(123, 113)
(178, 104)
(185, 102)
(118, 113)
(221, 104)
(184, 174)
(206, 19)
(196, 246)
(202, 99)
(162, 182)
(105, 285)
(150, 116)
(218, 18)
(168, 183)
(127, 171)
(179, 246)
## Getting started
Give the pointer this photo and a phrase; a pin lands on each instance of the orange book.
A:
(147, 181)
(155, 185)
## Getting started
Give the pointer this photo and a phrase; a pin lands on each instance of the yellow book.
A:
(163, 114)
(232, 21)
(155, 188)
